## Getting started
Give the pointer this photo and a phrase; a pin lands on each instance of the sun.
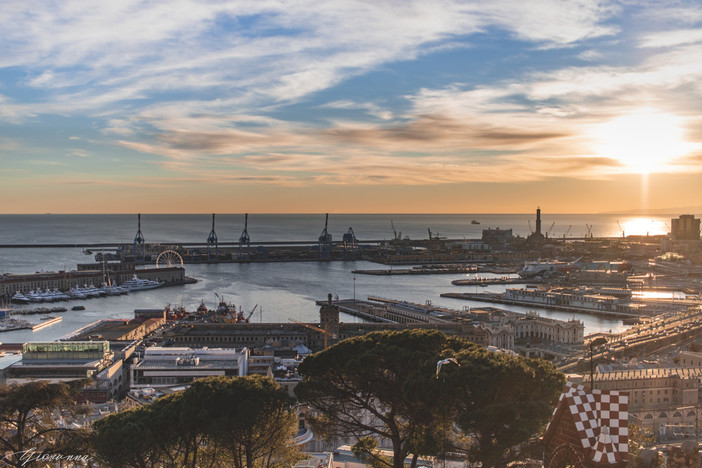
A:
(642, 142)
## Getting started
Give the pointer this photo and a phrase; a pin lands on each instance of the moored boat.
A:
(138, 284)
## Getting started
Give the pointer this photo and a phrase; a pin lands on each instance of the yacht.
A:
(138, 284)
(34, 296)
(112, 290)
(19, 298)
(77, 293)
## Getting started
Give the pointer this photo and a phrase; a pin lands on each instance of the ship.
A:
(138, 284)
(534, 269)
(546, 269)
(475, 221)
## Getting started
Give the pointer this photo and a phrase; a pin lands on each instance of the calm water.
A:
(281, 290)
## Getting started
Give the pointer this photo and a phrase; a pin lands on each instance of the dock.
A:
(45, 323)
(499, 299)
(439, 269)
(489, 281)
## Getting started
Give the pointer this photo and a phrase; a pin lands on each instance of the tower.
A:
(538, 221)
(139, 253)
(329, 318)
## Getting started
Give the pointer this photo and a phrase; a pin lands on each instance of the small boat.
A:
(78, 307)
(475, 221)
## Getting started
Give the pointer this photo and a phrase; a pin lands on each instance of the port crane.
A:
(248, 317)
(212, 241)
(395, 235)
(350, 242)
(531, 230)
(567, 231)
(325, 240)
(244, 239)
(589, 230)
(323, 331)
(620, 228)
(548, 233)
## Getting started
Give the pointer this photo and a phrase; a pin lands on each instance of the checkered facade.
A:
(601, 421)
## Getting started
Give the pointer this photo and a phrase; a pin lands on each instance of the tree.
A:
(31, 417)
(250, 419)
(640, 438)
(501, 401)
(242, 422)
(382, 385)
(387, 385)
(146, 436)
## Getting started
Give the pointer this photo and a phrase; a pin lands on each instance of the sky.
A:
(179, 106)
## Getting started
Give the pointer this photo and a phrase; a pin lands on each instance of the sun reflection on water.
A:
(644, 226)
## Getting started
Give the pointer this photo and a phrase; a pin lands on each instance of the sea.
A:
(279, 292)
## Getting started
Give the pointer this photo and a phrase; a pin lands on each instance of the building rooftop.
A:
(631, 374)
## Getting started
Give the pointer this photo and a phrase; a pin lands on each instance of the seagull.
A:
(445, 361)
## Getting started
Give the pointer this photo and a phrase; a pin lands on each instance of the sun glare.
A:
(642, 142)
(643, 226)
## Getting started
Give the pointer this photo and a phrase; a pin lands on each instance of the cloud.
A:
(78, 153)
(672, 38)
(252, 52)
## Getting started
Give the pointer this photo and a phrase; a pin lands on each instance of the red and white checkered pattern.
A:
(601, 420)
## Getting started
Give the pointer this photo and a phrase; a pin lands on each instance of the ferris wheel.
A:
(168, 259)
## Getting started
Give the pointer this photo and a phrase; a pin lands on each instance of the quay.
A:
(438, 269)
(489, 281)
(500, 299)
(45, 323)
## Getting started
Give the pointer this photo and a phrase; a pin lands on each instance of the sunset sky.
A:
(350, 106)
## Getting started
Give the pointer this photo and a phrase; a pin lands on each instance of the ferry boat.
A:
(138, 284)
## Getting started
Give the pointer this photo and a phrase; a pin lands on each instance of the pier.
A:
(491, 281)
(46, 323)
(439, 269)
(499, 299)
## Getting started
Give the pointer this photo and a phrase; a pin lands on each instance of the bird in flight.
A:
(445, 361)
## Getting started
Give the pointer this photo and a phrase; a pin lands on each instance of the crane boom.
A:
(317, 329)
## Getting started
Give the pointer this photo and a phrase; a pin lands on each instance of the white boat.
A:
(19, 298)
(542, 269)
(34, 296)
(113, 290)
(77, 293)
(53, 296)
(138, 284)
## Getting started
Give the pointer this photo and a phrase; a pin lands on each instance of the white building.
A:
(167, 367)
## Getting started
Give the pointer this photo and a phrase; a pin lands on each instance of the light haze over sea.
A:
(281, 290)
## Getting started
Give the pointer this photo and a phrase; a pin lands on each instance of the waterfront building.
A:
(122, 329)
(486, 326)
(686, 227)
(498, 239)
(168, 367)
(532, 325)
(66, 280)
(64, 361)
